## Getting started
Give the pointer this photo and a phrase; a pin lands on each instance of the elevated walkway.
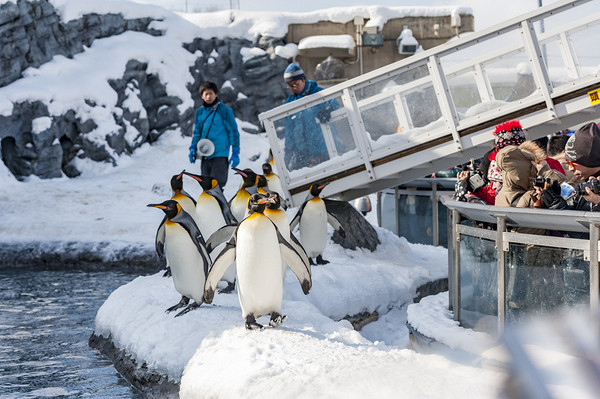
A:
(438, 108)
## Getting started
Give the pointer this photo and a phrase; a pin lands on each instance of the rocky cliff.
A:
(38, 140)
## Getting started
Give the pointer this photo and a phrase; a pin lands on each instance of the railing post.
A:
(455, 271)
(500, 228)
(434, 214)
(594, 282)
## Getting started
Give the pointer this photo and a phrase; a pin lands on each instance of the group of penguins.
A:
(201, 239)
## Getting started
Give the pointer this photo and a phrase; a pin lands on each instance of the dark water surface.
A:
(46, 319)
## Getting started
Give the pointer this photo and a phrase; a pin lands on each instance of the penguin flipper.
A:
(159, 241)
(298, 263)
(298, 216)
(300, 249)
(220, 236)
(218, 269)
(335, 223)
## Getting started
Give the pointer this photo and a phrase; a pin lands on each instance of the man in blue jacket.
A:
(304, 142)
(215, 122)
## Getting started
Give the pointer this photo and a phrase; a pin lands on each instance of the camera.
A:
(476, 181)
(540, 181)
(594, 186)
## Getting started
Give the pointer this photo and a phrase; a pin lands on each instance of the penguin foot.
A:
(321, 261)
(167, 272)
(188, 308)
(184, 301)
(277, 320)
(312, 262)
(251, 323)
(230, 287)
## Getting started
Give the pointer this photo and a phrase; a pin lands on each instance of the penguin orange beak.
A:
(240, 172)
(159, 206)
(181, 174)
(193, 176)
(263, 201)
(322, 186)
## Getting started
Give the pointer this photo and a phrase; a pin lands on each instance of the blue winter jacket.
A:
(303, 133)
(217, 124)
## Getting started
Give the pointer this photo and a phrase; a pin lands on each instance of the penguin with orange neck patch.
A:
(186, 255)
(258, 248)
(312, 216)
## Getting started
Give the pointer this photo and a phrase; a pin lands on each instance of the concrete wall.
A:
(374, 57)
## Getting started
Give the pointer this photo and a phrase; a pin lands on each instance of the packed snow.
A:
(316, 352)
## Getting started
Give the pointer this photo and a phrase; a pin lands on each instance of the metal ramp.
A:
(438, 108)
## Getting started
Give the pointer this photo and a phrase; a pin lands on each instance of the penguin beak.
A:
(322, 186)
(159, 206)
(263, 201)
(193, 176)
(181, 174)
(240, 172)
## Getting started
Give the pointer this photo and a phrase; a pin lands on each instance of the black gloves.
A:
(552, 198)
(461, 188)
(325, 114)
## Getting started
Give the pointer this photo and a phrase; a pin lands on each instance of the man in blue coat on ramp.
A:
(304, 142)
(215, 122)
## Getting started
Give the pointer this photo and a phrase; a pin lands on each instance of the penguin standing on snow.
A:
(211, 213)
(186, 254)
(239, 203)
(313, 218)
(187, 203)
(258, 247)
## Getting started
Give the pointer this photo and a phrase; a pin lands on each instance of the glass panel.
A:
(510, 76)
(478, 283)
(315, 135)
(396, 79)
(415, 218)
(388, 211)
(540, 279)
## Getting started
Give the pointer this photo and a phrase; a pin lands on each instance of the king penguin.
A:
(279, 217)
(187, 203)
(239, 203)
(186, 254)
(258, 248)
(313, 218)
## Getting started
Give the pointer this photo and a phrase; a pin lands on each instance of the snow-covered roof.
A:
(332, 41)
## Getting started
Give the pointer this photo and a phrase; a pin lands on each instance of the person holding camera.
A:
(582, 153)
(216, 123)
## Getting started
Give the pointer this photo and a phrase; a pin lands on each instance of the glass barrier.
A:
(540, 280)
(478, 283)
(315, 135)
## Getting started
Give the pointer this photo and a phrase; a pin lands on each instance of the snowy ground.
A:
(315, 353)
(310, 355)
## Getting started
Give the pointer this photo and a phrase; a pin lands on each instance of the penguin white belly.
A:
(313, 227)
(274, 184)
(238, 206)
(208, 215)
(185, 262)
(258, 259)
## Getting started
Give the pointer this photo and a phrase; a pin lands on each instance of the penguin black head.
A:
(267, 168)
(206, 182)
(248, 176)
(177, 182)
(316, 189)
(170, 207)
(258, 202)
(275, 200)
(261, 181)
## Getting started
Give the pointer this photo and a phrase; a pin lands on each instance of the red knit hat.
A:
(508, 133)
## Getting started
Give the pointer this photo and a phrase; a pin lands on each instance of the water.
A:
(46, 319)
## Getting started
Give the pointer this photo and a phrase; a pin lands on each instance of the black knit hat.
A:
(584, 146)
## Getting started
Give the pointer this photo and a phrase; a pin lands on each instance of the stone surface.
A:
(31, 33)
(359, 232)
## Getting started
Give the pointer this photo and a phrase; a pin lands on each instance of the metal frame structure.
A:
(512, 218)
(380, 159)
